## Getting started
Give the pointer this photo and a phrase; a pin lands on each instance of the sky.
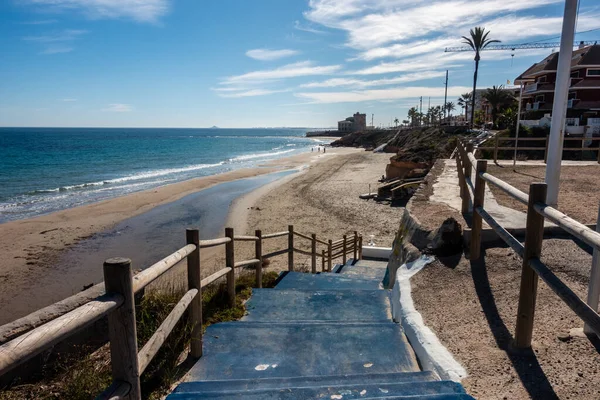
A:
(259, 63)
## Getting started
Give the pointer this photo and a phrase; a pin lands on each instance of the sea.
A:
(43, 170)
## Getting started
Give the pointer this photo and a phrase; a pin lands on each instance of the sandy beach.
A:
(32, 248)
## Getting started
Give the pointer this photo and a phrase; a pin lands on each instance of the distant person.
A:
(319, 149)
(323, 149)
(312, 149)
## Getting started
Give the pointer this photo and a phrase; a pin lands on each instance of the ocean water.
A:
(48, 169)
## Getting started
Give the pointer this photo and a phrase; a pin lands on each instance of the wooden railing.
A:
(117, 304)
(530, 251)
(496, 146)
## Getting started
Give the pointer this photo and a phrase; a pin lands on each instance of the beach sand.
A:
(30, 249)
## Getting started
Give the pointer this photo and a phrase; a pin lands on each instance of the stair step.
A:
(302, 281)
(250, 350)
(344, 391)
(305, 381)
(318, 305)
(366, 272)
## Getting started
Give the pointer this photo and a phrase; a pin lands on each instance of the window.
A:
(542, 79)
(572, 95)
(575, 74)
(593, 72)
(539, 98)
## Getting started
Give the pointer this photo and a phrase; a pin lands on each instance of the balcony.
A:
(571, 102)
(530, 88)
(533, 107)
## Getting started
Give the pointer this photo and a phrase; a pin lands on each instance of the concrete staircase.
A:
(323, 336)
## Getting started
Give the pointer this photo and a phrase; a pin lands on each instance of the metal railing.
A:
(117, 304)
(530, 251)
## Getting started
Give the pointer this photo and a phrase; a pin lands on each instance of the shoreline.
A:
(41, 241)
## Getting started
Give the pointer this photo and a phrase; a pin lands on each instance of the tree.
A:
(450, 107)
(413, 115)
(497, 97)
(463, 101)
(396, 121)
(478, 41)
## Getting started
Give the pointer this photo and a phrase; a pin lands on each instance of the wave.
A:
(259, 155)
(134, 177)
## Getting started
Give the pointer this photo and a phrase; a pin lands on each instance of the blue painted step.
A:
(251, 350)
(344, 391)
(305, 381)
(301, 281)
(318, 305)
(366, 269)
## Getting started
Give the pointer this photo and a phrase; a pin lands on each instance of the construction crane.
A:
(518, 46)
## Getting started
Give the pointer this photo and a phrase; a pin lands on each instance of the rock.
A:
(564, 337)
(417, 173)
(447, 239)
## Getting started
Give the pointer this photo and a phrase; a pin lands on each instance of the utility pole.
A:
(372, 115)
(446, 97)
(420, 110)
(559, 108)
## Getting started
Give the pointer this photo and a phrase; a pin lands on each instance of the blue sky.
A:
(241, 63)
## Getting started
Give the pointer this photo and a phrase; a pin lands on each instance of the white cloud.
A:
(118, 107)
(360, 84)
(380, 94)
(57, 42)
(304, 68)
(269, 55)
(306, 28)
(251, 93)
(65, 35)
(138, 10)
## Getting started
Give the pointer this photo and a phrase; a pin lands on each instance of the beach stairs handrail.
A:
(117, 304)
(530, 251)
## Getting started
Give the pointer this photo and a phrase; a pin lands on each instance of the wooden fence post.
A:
(258, 256)
(313, 253)
(329, 253)
(598, 152)
(462, 183)
(230, 263)
(194, 282)
(593, 296)
(360, 244)
(478, 200)
(546, 151)
(290, 247)
(122, 332)
(355, 246)
(529, 279)
(322, 260)
(496, 148)
(344, 249)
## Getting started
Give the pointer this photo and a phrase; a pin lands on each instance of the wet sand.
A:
(32, 250)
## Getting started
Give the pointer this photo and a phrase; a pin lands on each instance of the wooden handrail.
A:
(210, 279)
(246, 263)
(302, 235)
(509, 239)
(506, 188)
(275, 235)
(245, 238)
(154, 271)
(214, 242)
(575, 228)
(32, 343)
(152, 346)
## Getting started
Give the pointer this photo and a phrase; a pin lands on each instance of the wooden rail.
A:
(530, 251)
(118, 303)
(496, 147)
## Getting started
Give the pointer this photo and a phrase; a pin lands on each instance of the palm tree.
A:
(478, 41)
(396, 121)
(450, 107)
(496, 96)
(463, 101)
